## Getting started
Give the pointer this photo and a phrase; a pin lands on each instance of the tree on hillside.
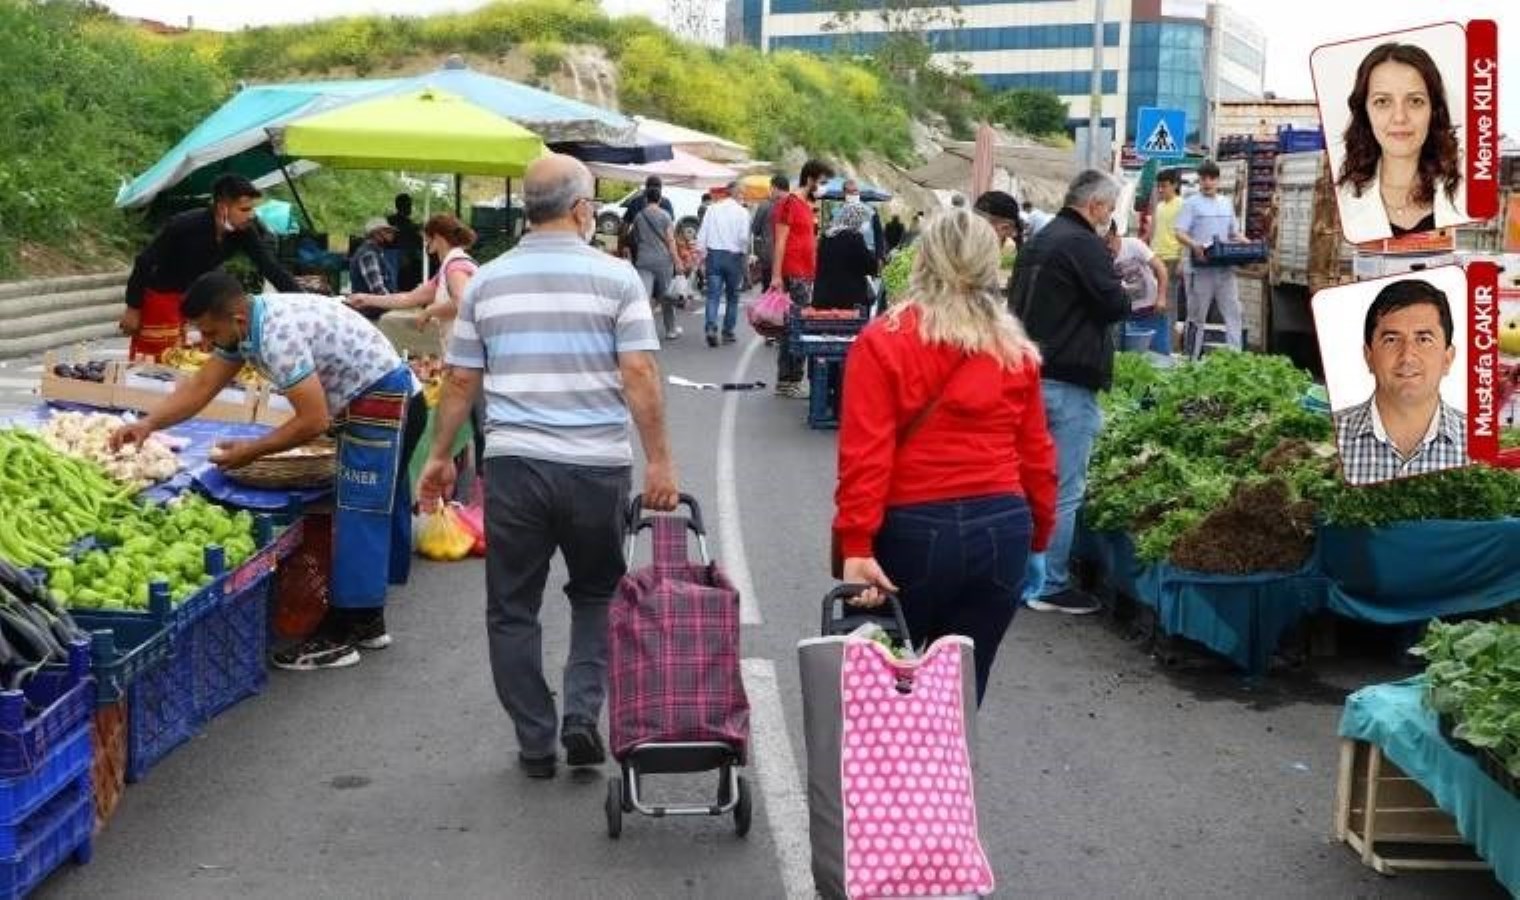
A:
(1034, 112)
(905, 48)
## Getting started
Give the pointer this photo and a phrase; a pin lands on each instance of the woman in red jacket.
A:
(947, 473)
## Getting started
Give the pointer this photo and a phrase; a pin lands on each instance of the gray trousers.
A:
(1207, 287)
(533, 508)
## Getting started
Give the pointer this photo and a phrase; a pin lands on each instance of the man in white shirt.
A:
(724, 240)
(1207, 218)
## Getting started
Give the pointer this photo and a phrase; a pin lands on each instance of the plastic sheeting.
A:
(1394, 718)
(1413, 571)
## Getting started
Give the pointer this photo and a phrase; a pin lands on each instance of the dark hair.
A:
(213, 292)
(233, 187)
(1438, 157)
(403, 197)
(781, 183)
(1167, 176)
(652, 193)
(444, 225)
(1401, 295)
(815, 170)
(1208, 169)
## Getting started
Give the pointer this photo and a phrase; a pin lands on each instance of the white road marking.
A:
(34, 369)
(15, 383)
(730, 532)
(780, 781)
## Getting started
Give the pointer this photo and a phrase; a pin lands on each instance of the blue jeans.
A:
(727, 267)
(1072, 414)
(959, 565)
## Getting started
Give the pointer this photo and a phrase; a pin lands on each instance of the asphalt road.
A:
(1101, 774)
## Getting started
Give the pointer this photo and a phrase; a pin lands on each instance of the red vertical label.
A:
(1483, 362)
(1482, 119)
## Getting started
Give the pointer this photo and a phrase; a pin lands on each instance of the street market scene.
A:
(726, 448)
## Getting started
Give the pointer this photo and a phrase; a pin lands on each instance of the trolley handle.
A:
(838, 608)
(634, 521)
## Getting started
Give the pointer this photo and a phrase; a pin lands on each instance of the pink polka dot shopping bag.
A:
(891, 795)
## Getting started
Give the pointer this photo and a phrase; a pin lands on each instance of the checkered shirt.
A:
(1367, 458)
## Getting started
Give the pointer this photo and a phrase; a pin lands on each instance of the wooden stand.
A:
(1376, 803)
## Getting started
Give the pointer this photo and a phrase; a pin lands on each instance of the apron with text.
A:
(372, 520)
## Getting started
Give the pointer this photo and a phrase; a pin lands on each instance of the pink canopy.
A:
(681, 170)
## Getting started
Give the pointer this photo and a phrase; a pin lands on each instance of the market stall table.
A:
(1393, 719)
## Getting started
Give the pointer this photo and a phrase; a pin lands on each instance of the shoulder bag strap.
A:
(922, 416)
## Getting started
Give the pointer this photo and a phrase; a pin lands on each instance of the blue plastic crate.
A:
(61, 829)
(66, 761)
(161, 711)
(825, 392)
(1236, 254)
(229, 646)
(178, 617)
(64, 699)
(122, 651)
(1300, 140)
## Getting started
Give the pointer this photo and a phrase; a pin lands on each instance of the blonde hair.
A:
(954, 286)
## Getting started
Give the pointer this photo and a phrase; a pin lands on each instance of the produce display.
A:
(894, 275)
(1214, 465)
(1473, 670)
(440, 535)
(94, 370)
(188, 359)
(49, 500)
(157, 543)
(87, 436)
(33, 631)
(1473, 493)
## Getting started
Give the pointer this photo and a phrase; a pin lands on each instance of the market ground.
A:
(1101, 774)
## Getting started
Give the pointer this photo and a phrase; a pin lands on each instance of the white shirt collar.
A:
(1381, 432)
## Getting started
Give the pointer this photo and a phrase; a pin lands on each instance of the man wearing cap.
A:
(723, 239)
(1001, 212)
(189, 245)
(368, 269)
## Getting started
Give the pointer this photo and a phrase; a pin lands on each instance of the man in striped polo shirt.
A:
(562, 338)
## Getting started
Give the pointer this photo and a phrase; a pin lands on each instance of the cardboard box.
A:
(142, 387)
(73, 390)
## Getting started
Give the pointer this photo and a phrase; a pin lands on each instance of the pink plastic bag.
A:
(768, 314)
(473, 518)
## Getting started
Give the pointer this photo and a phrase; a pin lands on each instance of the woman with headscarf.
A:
(845, 263)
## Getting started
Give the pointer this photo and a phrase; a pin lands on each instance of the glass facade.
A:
(815, 6)
(1167, 65)
(751, 19)
(1068, 83)
(966, 40)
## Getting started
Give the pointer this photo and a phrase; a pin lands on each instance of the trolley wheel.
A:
(614, 808)
(743, 810)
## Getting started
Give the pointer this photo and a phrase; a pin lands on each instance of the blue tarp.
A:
(1413, 571)
(1394, 718)
(237, 136)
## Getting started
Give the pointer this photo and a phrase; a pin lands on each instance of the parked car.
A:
(685, 201)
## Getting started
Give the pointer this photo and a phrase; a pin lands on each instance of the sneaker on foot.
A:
(321, 651)
(539, 767)
(583, 744)
(728, 337)
(674, 333)
(1071, 602)
(368, 632)
(797, 390)
(712, 337)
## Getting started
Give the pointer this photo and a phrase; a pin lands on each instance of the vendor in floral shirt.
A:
(335, 368)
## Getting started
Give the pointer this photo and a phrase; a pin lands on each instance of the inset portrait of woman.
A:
(1398, 161)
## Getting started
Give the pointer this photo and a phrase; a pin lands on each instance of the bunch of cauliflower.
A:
(88, 436)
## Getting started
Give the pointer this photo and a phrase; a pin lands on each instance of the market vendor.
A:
(333, 366)
(190, 245)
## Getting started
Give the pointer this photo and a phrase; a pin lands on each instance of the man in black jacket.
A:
(1066, 292)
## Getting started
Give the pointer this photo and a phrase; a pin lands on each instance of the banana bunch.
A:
(188, 359)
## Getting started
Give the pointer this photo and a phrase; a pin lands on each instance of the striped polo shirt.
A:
(546, 323)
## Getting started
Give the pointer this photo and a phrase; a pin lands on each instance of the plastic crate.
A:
(1300, 140)
(1236, 254)
(65, 696)
(825, 392)
(108, 767)
(300, 590)
(178, 617)
(65, 763)
(124, 650)
(61, 829)
(228, 647)
(161, 712)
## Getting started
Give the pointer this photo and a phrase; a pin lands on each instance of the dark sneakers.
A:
(1072, 602)
(322, 651)
(539, 767)
(712, 336)
(583, 744)
(367, 631)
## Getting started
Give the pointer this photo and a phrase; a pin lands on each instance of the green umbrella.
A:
(422, 131)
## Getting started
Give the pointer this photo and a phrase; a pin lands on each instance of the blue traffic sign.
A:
(1160, 133)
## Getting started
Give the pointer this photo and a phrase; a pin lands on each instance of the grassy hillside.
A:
(91, 101)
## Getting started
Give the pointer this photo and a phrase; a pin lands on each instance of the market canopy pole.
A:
(1095, 100)
(301, 205)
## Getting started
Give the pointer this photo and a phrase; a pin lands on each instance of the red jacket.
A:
(987, 435)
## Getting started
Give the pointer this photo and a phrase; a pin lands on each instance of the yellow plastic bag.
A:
(441, 536)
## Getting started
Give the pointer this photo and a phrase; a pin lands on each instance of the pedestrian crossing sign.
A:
(1160, 133)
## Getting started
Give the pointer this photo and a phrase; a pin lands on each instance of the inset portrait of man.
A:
(1405, 428)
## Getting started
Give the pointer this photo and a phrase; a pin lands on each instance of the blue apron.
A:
(372, 520)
